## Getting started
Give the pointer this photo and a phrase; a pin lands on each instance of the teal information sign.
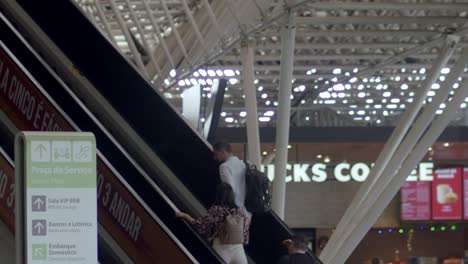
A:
(57, 196)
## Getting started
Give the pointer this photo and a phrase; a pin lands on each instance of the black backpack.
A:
(258, 194)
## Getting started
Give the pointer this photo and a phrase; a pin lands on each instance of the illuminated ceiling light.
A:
(341, 95)
(384, 101)
(260, 88)
(378, 121)
(334, 79)
(435, 86)
(269, 113)
(292, 96)
(355, 70)
(223, 114)
(351, 112)
(385, 113)
(264, 153)
(303, 101)
(233, 81)
(326, 159)
(275, 103)
(219, 73)
(353, 106)
(338, 87)
(289, 146)
(446, 144)
(442, 105)
(187, 82)
(334, 95)
(202, 72)
(439, 112)
(392, 106)
(325, 95)
(337, 71)
(361, 94)
(229, 73)
(307, 118)
(445, 71)
(313, 70)
(319, 156)
(243, 114)
(347, 86)
(367, 118)
(202, 120)
(377, 106)
(422, 71)
(379, 86)
(411, 94)
(360, 87)
(347, 74)
(237, 72)
(229, 119)
(404, 86)
(193, 81)
(369, 101)
(365, 80)
(397, 78)
(264, 96)
(211, 73)
(202, 82)
(402, 106)
(463, 105)
(358, 118)
(410, 100)
(267, 102)
(264, 119)
(209, 81)
(256, 81)
(387, 94)
(173, 73)
(329, 101)
(442, 78)
(353, 80)
(430, 93)
(361, 112)
(395, 100)
(345, 101)
(181, 83)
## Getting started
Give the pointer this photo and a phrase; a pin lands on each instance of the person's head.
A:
(222, 151)
(225, 196)
(296, 244)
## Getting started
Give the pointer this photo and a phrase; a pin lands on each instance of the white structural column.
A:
(393, 154)
(288, 35)
(253, 139)
(434, 131)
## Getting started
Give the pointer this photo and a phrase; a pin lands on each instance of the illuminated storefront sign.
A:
(342, 172)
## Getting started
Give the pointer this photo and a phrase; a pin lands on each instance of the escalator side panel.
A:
(119, 212)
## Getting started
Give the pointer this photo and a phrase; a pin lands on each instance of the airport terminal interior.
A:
(354, 110)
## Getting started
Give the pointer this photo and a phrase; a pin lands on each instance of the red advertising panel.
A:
(447, 194)
(416, 200)
(465, 193)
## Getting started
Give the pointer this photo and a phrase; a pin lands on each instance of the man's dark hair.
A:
(300, 242)
(222, 146)
(225, 196)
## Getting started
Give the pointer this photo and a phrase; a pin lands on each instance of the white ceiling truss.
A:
(357, 62)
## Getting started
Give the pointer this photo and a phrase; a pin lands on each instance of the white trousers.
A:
(231, 254)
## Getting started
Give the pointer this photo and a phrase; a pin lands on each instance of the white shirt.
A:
(232, 172)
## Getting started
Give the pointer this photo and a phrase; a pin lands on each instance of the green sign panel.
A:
(56, 197)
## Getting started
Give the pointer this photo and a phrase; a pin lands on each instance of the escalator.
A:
(146, 112)
(133, 212)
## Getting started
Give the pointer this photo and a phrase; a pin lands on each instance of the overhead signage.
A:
(447, 194)
(416, 200)
(341, 172)
(56, 194)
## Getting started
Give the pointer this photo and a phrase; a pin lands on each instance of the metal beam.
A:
(367, 20)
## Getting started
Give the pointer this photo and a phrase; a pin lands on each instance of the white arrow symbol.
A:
(38, 252)
(38, 203)
(38, 226)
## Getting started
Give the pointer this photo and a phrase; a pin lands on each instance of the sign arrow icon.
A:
(38, 203)
(41, 149)
(38, 252)
(39, 227)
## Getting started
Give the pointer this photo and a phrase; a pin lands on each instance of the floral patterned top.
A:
(208, 225)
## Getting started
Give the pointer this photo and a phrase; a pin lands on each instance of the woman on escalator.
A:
(225, 224)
